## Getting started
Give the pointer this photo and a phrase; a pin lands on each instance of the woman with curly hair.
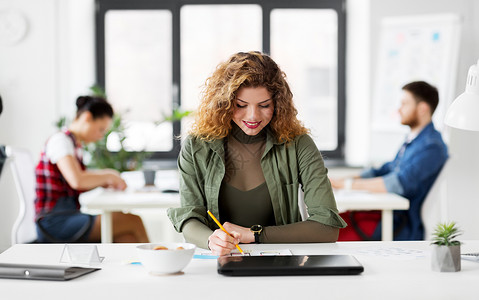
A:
(245, 159)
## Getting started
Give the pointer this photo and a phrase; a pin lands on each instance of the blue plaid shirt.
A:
(411, 175)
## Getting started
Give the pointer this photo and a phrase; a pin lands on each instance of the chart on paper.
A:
(248, 252)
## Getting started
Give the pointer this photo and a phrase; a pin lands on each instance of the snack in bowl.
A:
(160, 248)
(165, 258)
(164, 248)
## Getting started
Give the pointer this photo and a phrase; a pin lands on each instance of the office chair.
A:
(24, 229)
(303, 209)
(434, 207)
(23, 170)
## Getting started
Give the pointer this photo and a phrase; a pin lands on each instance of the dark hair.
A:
(97, 106)
(1, 105)
(423, 92)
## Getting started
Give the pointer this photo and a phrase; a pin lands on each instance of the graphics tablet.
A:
(289, 265)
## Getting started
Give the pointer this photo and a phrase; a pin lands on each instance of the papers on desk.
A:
(205, 254)
(394, 253)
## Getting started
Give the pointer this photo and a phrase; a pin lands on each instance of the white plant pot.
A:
(446, 258)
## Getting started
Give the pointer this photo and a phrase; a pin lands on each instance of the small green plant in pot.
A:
(446, 252)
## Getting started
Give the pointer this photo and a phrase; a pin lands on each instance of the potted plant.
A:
(446, 252)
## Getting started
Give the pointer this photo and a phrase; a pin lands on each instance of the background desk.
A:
(107, 201)
(386, 202)
(407, 276)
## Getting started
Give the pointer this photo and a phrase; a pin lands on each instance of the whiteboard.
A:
(412, 48)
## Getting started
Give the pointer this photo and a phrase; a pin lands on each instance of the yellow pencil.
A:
(222, 228)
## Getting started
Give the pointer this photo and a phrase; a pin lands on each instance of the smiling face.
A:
(253, 109)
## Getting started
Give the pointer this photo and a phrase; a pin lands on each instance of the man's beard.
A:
(412, 122)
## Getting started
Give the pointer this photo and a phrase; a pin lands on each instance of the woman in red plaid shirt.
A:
(61, 176)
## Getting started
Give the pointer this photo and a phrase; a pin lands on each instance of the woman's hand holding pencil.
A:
(222, 242)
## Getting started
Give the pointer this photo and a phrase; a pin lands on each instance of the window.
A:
(304, 42)
(155, 55)
(138, 63)
(210, 34)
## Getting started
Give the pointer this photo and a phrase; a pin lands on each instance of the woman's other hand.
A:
(119, 184)
(337, 183)
(114, 180)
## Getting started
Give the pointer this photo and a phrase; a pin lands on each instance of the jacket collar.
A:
(218, 147)
(424, 132)
(270, 141)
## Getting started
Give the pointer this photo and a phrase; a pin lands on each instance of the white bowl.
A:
(168, 261)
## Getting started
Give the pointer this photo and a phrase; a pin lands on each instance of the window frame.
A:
(174, 6)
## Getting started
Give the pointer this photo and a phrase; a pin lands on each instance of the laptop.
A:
(289, 265)
(42, 272)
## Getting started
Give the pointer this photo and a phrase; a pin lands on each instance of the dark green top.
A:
(244, 197)
(246, 208)
(285, 168)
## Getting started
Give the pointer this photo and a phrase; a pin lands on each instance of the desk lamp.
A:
(464, 111)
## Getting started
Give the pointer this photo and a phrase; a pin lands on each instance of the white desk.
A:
(384, 277)
(386, 202)
(108, 201)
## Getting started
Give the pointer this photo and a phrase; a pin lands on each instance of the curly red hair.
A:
(250, 69)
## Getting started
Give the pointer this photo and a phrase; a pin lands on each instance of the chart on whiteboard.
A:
(414, 48)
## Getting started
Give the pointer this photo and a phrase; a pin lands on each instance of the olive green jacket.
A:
(285, 167)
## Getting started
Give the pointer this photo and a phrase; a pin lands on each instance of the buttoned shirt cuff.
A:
(367, 173)
(392, 183)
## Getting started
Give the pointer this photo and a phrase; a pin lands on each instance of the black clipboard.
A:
(43, 272)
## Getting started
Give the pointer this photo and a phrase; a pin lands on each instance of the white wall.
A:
(40, 78)
(28, 76)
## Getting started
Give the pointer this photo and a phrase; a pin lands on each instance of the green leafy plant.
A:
(445, 234)
(98, 91)
(62, 122)
(176, 115)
